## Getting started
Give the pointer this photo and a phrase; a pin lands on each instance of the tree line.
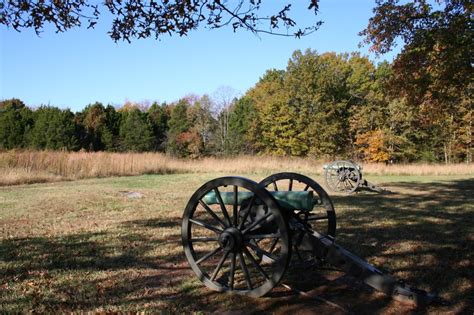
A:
(322, 106)
(417, 108)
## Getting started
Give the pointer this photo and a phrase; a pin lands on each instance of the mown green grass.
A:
(84, 246)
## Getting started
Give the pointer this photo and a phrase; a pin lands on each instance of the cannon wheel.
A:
(224, 244)
(323, 212)
(343, 176)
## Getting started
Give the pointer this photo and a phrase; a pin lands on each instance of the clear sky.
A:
(81, 66)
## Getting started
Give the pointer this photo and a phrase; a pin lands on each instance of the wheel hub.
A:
(231, 239)
(342, 175)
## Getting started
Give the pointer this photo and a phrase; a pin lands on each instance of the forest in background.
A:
(323, 106)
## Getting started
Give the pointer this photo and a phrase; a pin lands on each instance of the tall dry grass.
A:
(21, 167)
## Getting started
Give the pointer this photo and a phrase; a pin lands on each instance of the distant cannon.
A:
(346, 176)
(239, 235)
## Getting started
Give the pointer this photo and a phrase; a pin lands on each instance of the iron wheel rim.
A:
(241, 258)
(343, 176)
(324, 203)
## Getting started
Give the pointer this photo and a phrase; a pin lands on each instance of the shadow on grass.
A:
(423, 232)
(114, 270)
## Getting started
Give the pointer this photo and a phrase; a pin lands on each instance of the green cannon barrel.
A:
(290, 200)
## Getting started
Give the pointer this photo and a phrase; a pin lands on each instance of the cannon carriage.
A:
(346, 177)
(239, 236)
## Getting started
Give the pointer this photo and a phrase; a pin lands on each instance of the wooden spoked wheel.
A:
(343, 176)
(235, 237)
(322, 218)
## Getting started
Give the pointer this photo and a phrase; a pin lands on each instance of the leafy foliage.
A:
(433, 72)
(322, 105)
(144, 19)
(372, 146)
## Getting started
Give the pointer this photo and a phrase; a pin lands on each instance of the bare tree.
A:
(223, 99)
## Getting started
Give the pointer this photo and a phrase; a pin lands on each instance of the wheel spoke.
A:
(249, 207)
(219, 266)
(306, 188)
(209, 210)
(233, 238)
(255, 263)
(205, 225)
(255, 223)
(262, 252)
(203, 258)
(232, 271)
(350, 183)
(274, 244)
(275, 187)
(346, 185)
(246, 272)
(235, 213)
(221, 203)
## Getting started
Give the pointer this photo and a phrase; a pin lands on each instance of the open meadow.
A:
(84, 245)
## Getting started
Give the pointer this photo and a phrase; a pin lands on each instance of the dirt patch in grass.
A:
(83, 246)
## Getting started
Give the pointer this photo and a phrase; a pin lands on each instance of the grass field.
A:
(28, 167)
(84, 246)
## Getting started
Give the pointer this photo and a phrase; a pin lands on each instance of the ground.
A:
(85, 246)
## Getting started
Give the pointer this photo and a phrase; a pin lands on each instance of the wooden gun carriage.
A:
(239, 236)
(346, 176)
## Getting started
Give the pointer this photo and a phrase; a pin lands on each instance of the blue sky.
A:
(81, 66)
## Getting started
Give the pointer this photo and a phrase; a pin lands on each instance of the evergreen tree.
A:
(53, 129)
(159, 117)
(15, 121)
(136, 133)
(178, 124)
(110, 138)
(240, 120)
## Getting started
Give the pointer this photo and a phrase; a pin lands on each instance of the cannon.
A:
(239, 235)
(346, 176)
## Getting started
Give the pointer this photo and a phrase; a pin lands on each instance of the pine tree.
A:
(136, 132)
(158, 116)
(15, 121)
(54, 129)
(178, 124)
(240, 119)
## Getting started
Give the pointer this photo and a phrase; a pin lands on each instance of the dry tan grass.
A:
(419, 169)
(23, 167)
(18, 176)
